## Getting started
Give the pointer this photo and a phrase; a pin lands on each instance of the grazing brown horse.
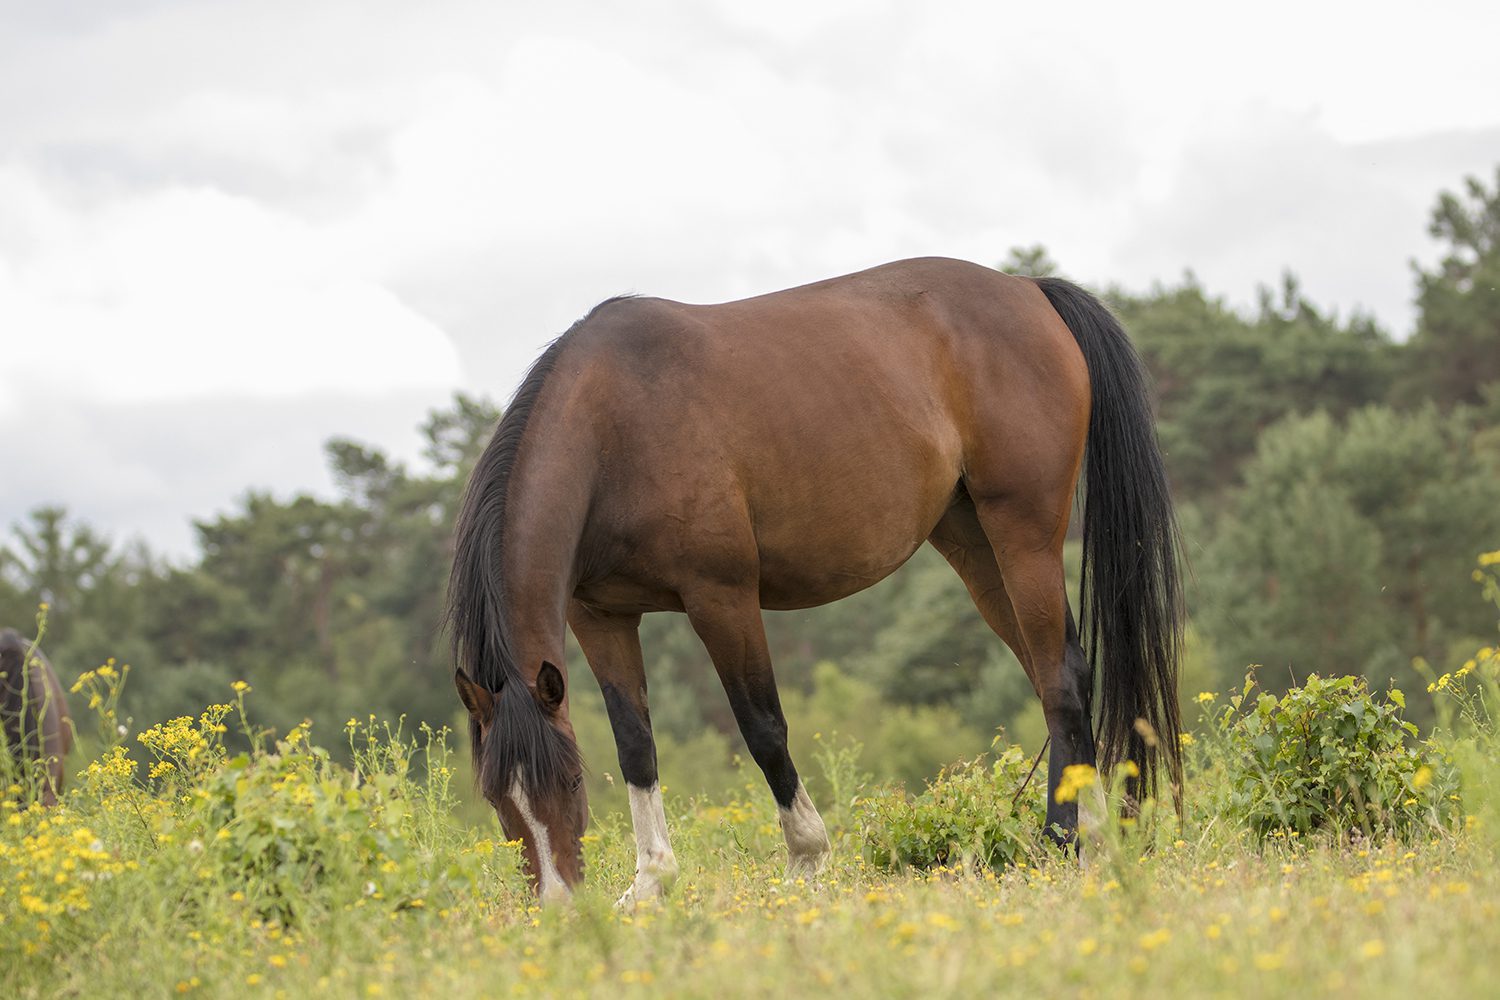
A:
(786, 451)
(34, 723)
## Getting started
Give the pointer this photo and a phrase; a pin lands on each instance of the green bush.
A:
(1330, 755)
(969, 814)
(230, 843)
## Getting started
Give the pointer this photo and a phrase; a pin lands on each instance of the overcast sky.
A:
(231, 230)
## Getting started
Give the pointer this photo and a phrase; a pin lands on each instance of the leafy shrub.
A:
(1331, 755)
(969, 814)
(278, 836)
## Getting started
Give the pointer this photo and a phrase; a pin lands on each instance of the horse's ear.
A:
(479, 700)
(550, 687)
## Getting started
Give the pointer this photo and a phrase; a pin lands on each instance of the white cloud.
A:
(191, 293)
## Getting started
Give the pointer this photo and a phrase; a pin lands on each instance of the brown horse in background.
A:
(34, 722)
(787, 451)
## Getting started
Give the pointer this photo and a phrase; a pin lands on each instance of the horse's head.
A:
(528, 767)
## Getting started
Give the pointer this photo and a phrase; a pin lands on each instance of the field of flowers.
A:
(1325, 846)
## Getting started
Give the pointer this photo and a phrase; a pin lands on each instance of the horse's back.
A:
(827, 426)
(906, 339)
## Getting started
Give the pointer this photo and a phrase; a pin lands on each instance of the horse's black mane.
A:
(523, 744)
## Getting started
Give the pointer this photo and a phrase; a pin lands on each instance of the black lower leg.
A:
(730, 626)
(631, 723)
(1066, 706)
(758, 713)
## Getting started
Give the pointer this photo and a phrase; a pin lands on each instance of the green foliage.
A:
(1455, 351)
(58, 561)
(969, 815)
(935, 646)
(1331, 755)
(1371, 520)
(904, 743)
(302, 831)
(1222, 378)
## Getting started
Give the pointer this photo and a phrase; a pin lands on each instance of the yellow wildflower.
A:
(1075, 778)
(1154, 940)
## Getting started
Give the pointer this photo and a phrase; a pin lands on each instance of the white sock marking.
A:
(655, 865)
(806, 837)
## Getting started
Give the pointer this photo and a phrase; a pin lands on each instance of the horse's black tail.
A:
(1131, 596)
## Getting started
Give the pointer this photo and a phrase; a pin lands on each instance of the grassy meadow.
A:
(1324, 847)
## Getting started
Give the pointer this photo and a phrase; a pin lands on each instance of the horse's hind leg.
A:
(612, 645)
(961, 541)
(729, 623)
(1021, 593)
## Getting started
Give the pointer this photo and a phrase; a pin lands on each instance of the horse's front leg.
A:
(612, 645)
(729, 623)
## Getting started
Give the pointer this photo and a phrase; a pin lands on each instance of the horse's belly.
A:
(791, 587)
(811, 558)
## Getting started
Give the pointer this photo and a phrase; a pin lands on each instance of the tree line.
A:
(1334, 487)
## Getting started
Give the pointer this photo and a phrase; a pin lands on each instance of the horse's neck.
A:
(546, 509)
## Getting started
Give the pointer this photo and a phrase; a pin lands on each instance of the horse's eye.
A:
(577, 784)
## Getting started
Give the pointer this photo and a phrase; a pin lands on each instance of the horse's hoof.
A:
(637, 896)
(648, 887)
(807, 866)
